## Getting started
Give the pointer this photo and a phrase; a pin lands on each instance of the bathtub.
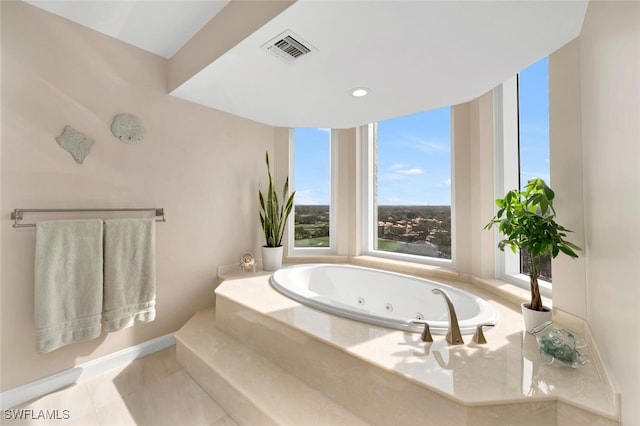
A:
(381, 298)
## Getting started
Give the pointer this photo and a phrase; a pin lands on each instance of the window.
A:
(522, 141)
(533, 131)
(408, 170)
(313, 224)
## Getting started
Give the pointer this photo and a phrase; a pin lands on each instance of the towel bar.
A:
(17, 214)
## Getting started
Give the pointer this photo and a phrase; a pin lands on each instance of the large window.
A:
(522, 132)
(313, 212)
(409, 196)
(533, 140)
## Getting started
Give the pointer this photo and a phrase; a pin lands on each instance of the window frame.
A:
(368, 140)
(507, 176)
(333, 201)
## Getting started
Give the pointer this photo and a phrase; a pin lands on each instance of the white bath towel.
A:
(68, 282)
(129, 272)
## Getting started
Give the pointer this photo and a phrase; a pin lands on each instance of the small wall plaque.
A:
(128, 128)
(75, 143)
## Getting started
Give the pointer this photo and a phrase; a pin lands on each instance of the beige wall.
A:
(482, 186)
(201, 165)
(610, 105)
(461, 181)
(595, 166)
(569, 291)
(349, 214)
(478, 243)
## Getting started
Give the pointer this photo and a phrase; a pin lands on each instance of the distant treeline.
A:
(311, 214)
(398, 213)
(312, 223)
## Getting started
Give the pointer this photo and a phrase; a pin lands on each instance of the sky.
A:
(311, 166)
(534, 122)
(414, 159)
(414, 152)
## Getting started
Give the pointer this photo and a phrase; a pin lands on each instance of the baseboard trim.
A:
(41, 387)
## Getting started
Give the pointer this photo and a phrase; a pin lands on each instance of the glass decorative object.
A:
(247, 263)
(559, 346)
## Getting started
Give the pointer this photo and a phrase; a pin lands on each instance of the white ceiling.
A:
(412, 55)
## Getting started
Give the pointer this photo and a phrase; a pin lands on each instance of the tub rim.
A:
(322, 303)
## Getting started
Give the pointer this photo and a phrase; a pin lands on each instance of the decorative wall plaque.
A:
(75, 143)
(128, 128)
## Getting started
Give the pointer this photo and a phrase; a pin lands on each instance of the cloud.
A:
(399, 171)
(405, 170)
(414, 171)
(428, 146)
(307, 197)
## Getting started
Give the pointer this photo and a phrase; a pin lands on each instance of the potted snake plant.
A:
(526, 219)
(273, 218)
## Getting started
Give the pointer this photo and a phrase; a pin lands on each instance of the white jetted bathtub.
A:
(381, 298)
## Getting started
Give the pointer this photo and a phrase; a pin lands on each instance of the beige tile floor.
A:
(153, 390)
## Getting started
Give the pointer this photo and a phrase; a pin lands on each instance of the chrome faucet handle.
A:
(478, 337)
(426, 333)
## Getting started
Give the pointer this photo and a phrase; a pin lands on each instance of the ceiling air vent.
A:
(288, 46)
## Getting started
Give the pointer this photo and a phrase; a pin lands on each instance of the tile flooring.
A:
(153, 390)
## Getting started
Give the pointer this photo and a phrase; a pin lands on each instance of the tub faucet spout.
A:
(454, 336)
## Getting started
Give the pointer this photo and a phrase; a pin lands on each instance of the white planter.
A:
(532, 319)
(271, 258)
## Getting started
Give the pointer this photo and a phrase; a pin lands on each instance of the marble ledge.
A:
(507, 370)
(410, 268)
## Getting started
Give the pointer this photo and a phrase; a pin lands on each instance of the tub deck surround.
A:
(387, 376)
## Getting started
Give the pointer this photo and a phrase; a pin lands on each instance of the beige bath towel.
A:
(68, 282)
(129, 272)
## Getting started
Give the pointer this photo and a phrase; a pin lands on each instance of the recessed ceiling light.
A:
(359, 92)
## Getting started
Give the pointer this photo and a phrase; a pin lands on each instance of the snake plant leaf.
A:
(273, 215)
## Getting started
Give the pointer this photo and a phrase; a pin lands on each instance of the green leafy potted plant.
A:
(273, 218)
(527, 221)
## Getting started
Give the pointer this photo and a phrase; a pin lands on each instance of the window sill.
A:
(502, 288)
(507, 290)
(410, 268)
(315, 258)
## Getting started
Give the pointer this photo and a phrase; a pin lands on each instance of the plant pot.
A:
(271, 258)
(532, 319)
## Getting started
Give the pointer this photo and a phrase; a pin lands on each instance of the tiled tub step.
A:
(250, 388)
